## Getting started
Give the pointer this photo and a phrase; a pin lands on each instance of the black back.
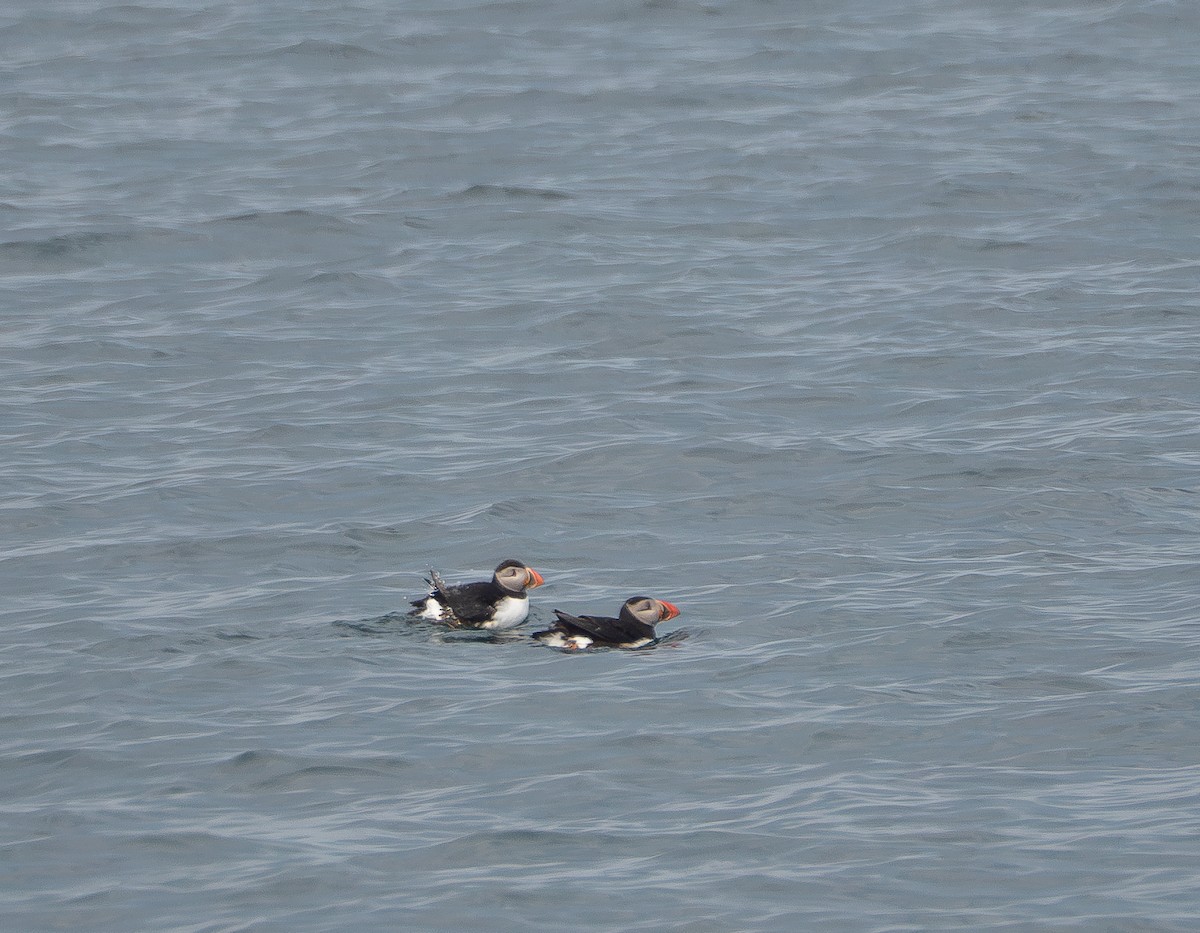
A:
(472, 603)
(603, 628)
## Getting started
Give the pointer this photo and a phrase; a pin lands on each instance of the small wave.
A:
(403, 624)
(322, 48)
(482, 192)
(60, 246)
(294, 217)
(391, 623)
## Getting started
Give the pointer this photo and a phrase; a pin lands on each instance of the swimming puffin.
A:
(498, 603)
(632, 629)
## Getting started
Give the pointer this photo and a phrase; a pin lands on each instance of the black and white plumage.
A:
(498, 603)
(633, 628)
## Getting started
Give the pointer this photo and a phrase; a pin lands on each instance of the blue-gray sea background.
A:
(865, 332)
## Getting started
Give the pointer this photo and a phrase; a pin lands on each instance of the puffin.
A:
(498, 603)
(633, 628)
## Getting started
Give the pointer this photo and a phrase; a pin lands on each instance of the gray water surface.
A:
(866, 333)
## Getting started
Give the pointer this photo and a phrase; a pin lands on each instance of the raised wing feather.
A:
(470, 603)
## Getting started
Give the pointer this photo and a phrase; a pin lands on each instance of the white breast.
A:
(509, 612)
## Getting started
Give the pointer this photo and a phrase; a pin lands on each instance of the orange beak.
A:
(532, 578)
(670, 610)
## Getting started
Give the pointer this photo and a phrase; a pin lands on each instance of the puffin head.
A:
(512, 576)
(648, 610)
